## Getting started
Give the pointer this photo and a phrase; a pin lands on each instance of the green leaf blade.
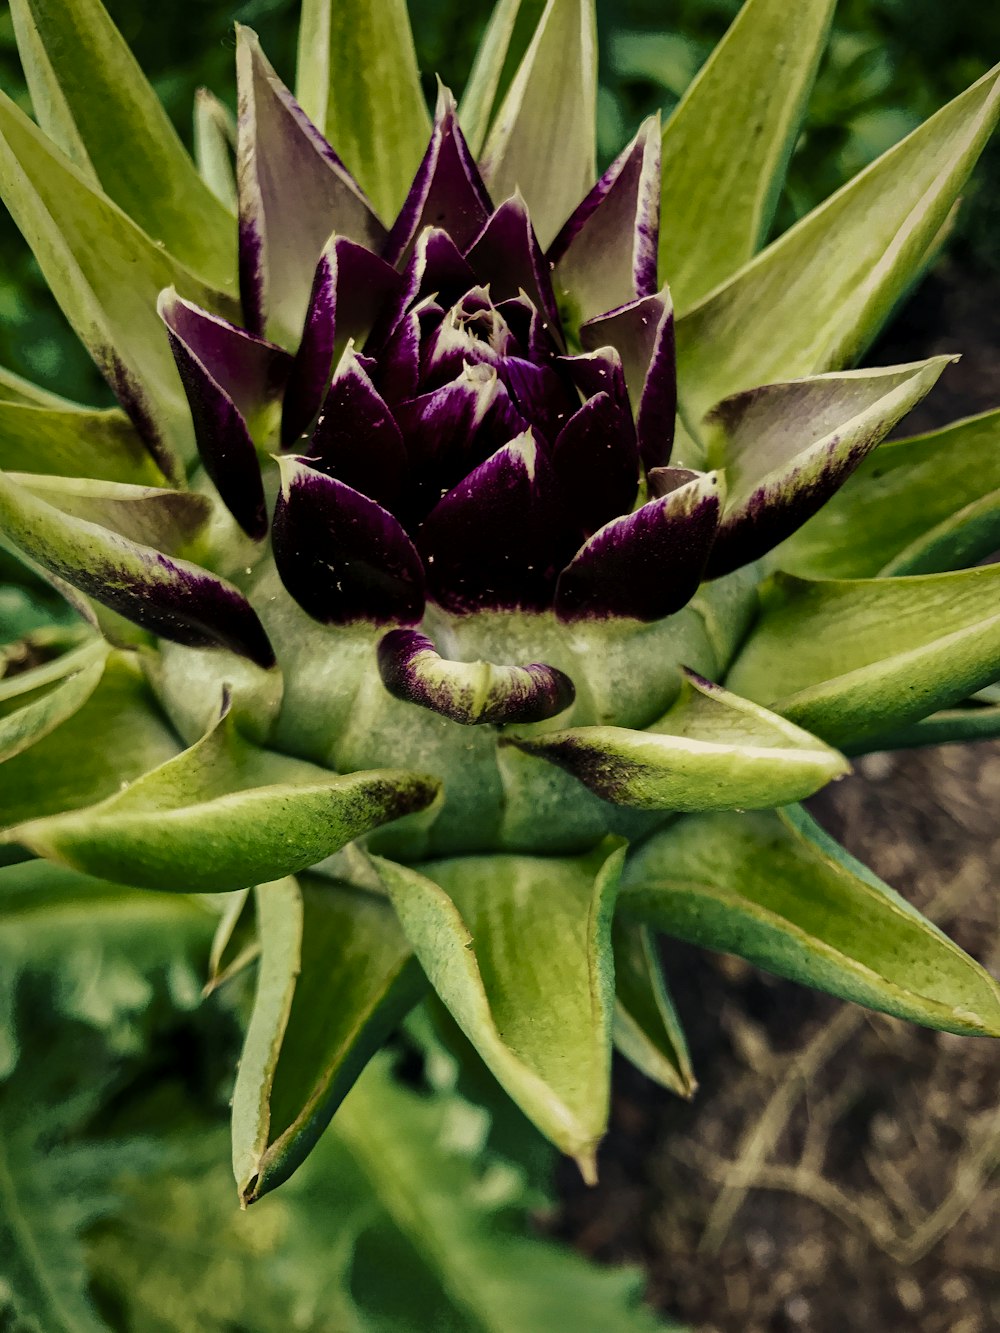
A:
(730, 139)
(776, 890)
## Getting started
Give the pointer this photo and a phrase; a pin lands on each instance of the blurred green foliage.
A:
(890, 64)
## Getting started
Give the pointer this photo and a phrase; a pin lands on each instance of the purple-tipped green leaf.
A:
(605, 255)
(648, 564)
(91, 98)
(470, 692)
(350, 288)
(643, 334)
(543, 137)
(596, 460)
(447, 191)
(341, 556)
(293, 191)
(230, 377)
(170, 597)
(224, 814)
(358, 80)
(915, 506)
(787, 448)
(711, 751)
(356, 438)
(498, 540)
(106, 275)
(507, 259)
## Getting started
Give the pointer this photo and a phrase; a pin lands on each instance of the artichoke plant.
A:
(486, 554)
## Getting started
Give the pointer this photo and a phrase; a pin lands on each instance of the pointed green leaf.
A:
(775, 889)
(358, 80)
(730, 139)
(235, 944)
(215, 146)
(34, 703)
(117, 735)
(711, 751)
(169, 521)
(916, 506)
(647, 1030)
(106, 273)
(519, 950)
(543, 139)
(16, 389)
(853, 659)
(92, 99)
(336, 976)
(814, 299)
(74, 441)
(476, 108)
(222, 815)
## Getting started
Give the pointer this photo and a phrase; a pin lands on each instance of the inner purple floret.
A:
(479, 458)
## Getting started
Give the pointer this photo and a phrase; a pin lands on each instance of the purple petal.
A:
(539, 393)
(293, 192)
(459, 425)
(497, 541)
(340, 555)
(643, 333)
(507, 257)
(600, 371)
(228, 376)
(531, 329)
(399, 361)
(470, 692)
(447, 191)
(646, 565)
(596, 460)
(605, 255)
(356, 438)
(350, 288)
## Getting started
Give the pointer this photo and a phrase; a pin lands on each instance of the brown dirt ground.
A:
(837, 1169)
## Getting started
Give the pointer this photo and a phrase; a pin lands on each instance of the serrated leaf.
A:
(74, 441)
(447, 1227)
(519, 950)
(711, 751)
(814, 299)
(221, 815)
(775, 889)
(117, 735)
(92, 99)
(730, 139)
(542, 142)
(852, 659)
(647, 1029)
(34, 703)
(358, 80)
(84, 244)
(915, 506)
(336, 976)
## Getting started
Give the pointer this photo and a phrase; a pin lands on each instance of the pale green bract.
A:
(406, 603)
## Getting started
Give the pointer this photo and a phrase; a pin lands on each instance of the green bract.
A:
(443, 584)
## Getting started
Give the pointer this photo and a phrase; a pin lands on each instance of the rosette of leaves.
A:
(473, 600)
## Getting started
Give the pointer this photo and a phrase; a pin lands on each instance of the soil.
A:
(837, 1169)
